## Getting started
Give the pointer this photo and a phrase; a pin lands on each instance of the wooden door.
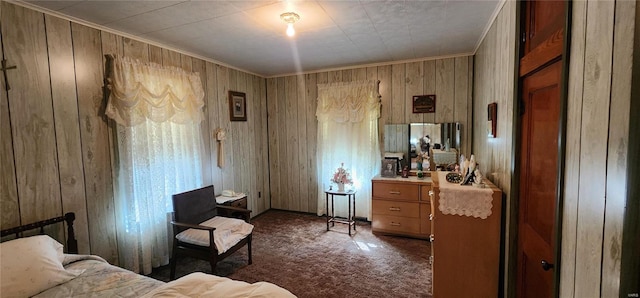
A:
(539, 167)
(540, 108)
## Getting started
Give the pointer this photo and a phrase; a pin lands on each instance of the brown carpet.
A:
(296, 252)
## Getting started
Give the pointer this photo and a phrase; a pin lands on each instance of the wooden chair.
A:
(190, 210)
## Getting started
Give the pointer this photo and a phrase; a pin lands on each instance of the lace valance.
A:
(464, 200)
(348, 101)
(151, 91)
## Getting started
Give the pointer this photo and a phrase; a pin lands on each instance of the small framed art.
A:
(424, 103)
(238, 106)
(389, 168)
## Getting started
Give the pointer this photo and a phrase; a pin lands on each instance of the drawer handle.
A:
(394, 192)
(397, 224)
(394, 208)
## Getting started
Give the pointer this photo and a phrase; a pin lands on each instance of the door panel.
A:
(538, 185)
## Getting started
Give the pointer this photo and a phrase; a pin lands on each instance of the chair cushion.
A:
(228, 232)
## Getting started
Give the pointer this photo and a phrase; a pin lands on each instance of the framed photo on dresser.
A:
(389, 168)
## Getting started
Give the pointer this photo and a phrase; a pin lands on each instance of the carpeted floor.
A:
(295, 251)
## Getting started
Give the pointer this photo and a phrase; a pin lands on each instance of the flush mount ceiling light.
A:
(290, 18)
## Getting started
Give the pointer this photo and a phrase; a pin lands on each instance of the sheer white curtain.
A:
(348, 133)
(159, 152)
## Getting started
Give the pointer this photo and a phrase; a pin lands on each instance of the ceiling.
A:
(249, 35)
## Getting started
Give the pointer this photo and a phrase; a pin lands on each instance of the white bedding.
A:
(204, 285)
(228, 232)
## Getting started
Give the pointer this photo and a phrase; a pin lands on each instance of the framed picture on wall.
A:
(424, 103)
(389, 168)
(238, 106)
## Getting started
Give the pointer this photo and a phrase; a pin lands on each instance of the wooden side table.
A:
(237, 201)
(351, 199)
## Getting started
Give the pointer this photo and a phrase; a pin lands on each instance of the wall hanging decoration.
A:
(220, 135)
(238, 106)
(492, 119)
(424, 103)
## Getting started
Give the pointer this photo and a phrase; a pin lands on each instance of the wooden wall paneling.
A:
(445, 90)
(136, 49)
(321, 78)
(10, 215)
(311, 95)
(32, 120)
(382, 74)
(593, 151)
(266, 173)
(199, 66)
(95, 142)
(274, 137)
(293, 140)
(398, 101)
(252, 149)
(359, 74)
(222, 77)
(186, 63)
(346, 75)
(617, 155)
(67, 126)
(283, 159)
(235, 153)
(171, 58)
(113, 45)
(334, 76)
(214, 119)
(414, 85)
(429, 74)
(155, 54)
(258, 147)
(461, 99)
(303, 165)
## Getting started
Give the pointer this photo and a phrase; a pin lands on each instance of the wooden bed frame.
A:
(72, 243)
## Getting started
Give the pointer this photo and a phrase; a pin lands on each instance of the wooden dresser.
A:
(465, 249)
(401, 206)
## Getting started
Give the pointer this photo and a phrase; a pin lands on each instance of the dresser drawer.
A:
(398, 224)
(424, 193)
(396, 191)
(404, 209)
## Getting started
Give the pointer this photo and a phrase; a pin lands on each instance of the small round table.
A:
(351, 199)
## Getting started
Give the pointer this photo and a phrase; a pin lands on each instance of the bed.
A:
(37, 266)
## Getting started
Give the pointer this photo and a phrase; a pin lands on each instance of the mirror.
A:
(411, 140)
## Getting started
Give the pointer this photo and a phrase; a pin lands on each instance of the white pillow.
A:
(31, 265)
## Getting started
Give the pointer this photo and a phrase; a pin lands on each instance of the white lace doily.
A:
(464, 200)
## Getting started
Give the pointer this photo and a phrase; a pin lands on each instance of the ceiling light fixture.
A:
(290, 18)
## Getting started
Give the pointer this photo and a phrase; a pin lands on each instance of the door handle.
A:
(394, 192)
(546, 265)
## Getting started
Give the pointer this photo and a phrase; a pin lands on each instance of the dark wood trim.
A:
(548, 51)
(562, 146)
(630, 256)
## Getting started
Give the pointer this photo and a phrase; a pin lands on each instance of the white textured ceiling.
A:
(249, 35)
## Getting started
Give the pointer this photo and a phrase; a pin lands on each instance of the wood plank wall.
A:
(494, 81)
(602, 48)
(596, 154)
(55, 150)
(293, 124)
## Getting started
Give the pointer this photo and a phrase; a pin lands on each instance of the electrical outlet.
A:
(259, 194)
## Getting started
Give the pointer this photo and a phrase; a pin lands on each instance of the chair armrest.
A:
(192, 226)
(245, 214)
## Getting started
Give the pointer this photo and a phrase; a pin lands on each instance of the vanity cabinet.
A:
(465, 245)
(401, 206)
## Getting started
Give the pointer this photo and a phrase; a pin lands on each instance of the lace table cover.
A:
(464, 200)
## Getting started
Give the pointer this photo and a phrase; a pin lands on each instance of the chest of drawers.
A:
(401, 206)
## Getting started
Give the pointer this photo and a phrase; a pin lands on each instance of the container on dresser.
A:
(401, 206)
(465, 247)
